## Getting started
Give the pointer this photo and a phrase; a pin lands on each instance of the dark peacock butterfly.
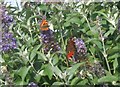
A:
(76, 49)
(70, 48)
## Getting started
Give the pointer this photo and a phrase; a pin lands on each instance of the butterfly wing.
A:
(76, 49)
(70, 48)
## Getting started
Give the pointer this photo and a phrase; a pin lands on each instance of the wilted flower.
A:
(96, 69)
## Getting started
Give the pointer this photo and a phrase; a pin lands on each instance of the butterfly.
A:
(76, 49)
(47, 37)
(44, 24)
(71, 49)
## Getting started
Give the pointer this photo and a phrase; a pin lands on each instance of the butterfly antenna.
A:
(44, 16)
(71, 33)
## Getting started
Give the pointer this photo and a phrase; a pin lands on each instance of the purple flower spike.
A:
(8, 42)
(80, 47)
(49, 42)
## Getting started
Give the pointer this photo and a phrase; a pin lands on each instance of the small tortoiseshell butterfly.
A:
(44, 24)
(47, 37)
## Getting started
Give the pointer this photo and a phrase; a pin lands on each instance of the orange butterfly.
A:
(47, 37)
(44, 24)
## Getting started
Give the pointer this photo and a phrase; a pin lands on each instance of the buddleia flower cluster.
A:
(96, 69)
(7, 42)
(92, 70)
(76, 49)
(49, 41)
(80, 48)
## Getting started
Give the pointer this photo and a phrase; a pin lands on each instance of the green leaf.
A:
(19, 82)
(57, 71)
(23, 71)
(68, 18)
(57, 83)
(107, 33)
(33, 54)
(92, 49)
(116, 55)
(75, 20)
(43, 7)
(1, 59)
(83, 82)
(115, 64)
(66, 24)
(31, 18)
(55, 60)
(109, 78)
(41, 56)
(24, 26)
(74, 81)
(99, 12)
(48, 71)
(98, 43)
(72, 20)
(72, 69)
(115, 49)
(29, 13)
(90, 33)
(37, 77)
(37, 47)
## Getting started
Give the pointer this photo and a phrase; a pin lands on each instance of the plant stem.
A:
(105, 56)
(103, 44)
(87, 21)
(104, 50)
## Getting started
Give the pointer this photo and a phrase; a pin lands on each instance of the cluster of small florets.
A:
(47, 36)
(49, 41)
(80, 47)
(7, 41)
(97, 69)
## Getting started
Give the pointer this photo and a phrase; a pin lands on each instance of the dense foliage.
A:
(23, 61)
